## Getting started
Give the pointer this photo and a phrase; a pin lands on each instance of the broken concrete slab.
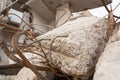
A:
(77, 53)
(25, 74)
(108, 66)
(77, 5)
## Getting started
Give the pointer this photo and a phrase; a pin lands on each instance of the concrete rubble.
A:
(80, 48)
(77, 53)
(108, 65)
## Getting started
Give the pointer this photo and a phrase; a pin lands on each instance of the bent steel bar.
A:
(11, 69)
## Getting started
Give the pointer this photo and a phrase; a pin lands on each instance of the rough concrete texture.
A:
(25, 74)
(108, 66)
(77, 53)
(7, 77)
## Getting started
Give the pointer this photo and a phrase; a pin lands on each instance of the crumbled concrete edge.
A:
(108, 66)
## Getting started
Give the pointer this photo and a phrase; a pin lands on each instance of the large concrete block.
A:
(77, 53)
(108, 66)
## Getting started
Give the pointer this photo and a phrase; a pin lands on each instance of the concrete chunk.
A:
(108, 66)
(77, 53)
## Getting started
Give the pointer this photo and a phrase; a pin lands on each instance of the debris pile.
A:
(75, 47)
(68, 52)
